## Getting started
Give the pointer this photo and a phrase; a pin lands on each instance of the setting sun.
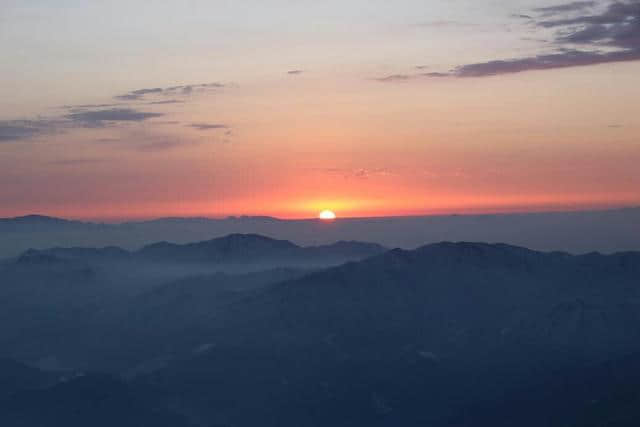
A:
(327, 214)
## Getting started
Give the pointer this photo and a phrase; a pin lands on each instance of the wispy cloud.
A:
(140, 94)
(97, 118)
(611, 35)
(295, 72)
(111, 114)
(571, 58)
(408, 77)
(567, 7)
(397, 77)
(436, 74)
(18, 130)
(168, 101)
(166, 122)
(521, 16)
(81, 106)
(208, 126)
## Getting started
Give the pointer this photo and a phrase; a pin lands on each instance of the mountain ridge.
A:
(575, 232)
(228, 247)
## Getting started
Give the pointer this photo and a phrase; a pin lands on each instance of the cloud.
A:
(207, 126)
(100, 115)
(97, 118)
(295, 72)
(18, 130)
(521, 16)
(612, 35)
(573, 58)
(435, 74)
(168, 101)
(617, 27)
(166, 122)
(564, 8)
(140, 94)
(107, 114)
(396, 78)
(407, 77)
(200, 85)
(75, 107)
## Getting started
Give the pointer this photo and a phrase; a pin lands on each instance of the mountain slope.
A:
(411, 337)
(86, 400)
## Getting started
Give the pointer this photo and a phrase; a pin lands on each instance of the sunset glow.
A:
(327, 215)
(367, 118)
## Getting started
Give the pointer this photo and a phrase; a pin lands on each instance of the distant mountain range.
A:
(576, 232)
(243, 249)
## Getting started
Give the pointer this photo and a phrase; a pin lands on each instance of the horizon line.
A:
(122, 221)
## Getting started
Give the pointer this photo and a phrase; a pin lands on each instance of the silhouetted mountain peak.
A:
(243, 247)
(466, 261)
(36, 218)
(251, 248)
(38, 223)
(238, 240)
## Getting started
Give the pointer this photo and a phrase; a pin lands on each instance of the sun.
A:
(327, 215)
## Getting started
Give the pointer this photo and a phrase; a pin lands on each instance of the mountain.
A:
(411, 338)
(235, 248)
(86, 400)
(231, 250)
(53, 301)
(604, 394)
(255, 249)
(449, 334)
(30, 221)
(576, 232)
(112, 252)
(16, 376)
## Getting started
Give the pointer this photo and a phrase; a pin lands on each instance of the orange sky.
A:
(290, 123)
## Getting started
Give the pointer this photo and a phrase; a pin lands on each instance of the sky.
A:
(135, 109)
